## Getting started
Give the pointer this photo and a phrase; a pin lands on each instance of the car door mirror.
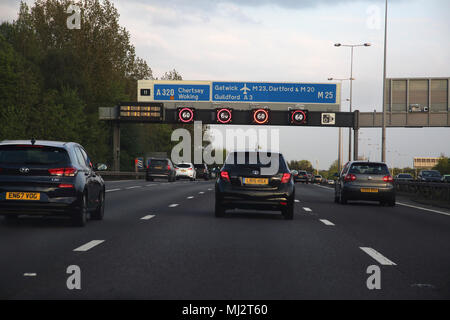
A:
(101, 167)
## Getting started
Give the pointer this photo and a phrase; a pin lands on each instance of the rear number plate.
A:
(260, 181)
(33, 196)
(369, 190)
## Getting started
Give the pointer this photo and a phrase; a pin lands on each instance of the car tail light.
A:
(66, 186)
(388, 179)
(350, 177)
(283, 203)
(224, 175)
(286, 177)
(67, 172)
(190, 169)
(168, 167)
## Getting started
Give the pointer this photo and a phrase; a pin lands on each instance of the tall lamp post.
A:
(383, 130)
(352, 46)
(340, 145)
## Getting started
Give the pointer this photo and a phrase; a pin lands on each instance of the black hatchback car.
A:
(160, 168)
(251, 180)
(370, 181)
(202, 171)
(49, 178)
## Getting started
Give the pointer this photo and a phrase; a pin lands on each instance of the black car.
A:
(160, 168)
(429, 176)
(202, 171)
(404, 177)
(247, 181)
(369, 181)
(49, 178)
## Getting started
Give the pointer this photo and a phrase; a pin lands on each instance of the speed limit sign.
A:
(223, 115)
(185, 115)
(299, 117)
(260, 116)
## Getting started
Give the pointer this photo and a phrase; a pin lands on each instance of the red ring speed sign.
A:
(260, 116)
(224, 115)
(185, 115)
(298, 117)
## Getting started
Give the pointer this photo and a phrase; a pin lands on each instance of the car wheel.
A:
(219, 210)
(100, 211)
(79, 217)
(288, 213)
(336, 198)
(392, 202)
(342, 198)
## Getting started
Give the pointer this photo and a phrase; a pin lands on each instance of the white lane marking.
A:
(28, 274)
(134, 187)
(190, 197)
(148, 217)
(173, 205)
(89, 245)
(425, 209)
(150, 185)
(297, 200)
(209, 189)
(378, 256)
(307, 209)
(327, 188)
(326, 222)
(201, 192)
(111, 190)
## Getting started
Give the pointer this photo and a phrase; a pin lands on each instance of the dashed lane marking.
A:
(173, 205)
(307, 209)
(326, 222)
(89, 245)
(148, 217)
(134, 187)
(112, 190)
(378, 256)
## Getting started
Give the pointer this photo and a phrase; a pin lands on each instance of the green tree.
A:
(443, 166)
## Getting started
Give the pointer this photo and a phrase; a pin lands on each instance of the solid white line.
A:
(307, 209)
(30, 274)
(190, 197)
(111, 190)
(326, 222)
(173, 205)
(134, 187)
(425, 209)
(89, 245)
(147, 217)
(378, 256)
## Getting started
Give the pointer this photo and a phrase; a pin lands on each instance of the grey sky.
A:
(293, 41)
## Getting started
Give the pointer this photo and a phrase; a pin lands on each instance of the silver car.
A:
(369, 181)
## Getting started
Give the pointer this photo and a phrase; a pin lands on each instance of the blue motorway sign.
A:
(181, 92)
(274, 92)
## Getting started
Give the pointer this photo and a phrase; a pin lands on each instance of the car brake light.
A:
(224, 175)
(190, 169)
(67, 172)
(168, 167)
(388, 179)
(66, 186)
(350, 177)
(286, 177)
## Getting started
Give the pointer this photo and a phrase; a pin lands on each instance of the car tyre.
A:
(342, 198)
(288, 213)
(79, 217)
(99, 213)
(219, 210)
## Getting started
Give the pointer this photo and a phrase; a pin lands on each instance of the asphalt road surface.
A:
(161, 240)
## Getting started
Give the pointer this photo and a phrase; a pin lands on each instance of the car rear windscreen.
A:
(431, 174)
(257, 159)
(157, 163)
(369, 168)
(33, 155)
(183, 165)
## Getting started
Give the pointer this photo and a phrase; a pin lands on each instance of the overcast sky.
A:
(292, 41)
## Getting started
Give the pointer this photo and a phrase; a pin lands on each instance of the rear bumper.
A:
(354, 193)
(252, 199)
(55, 206)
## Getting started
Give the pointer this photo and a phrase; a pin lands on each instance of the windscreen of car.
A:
(302, 172)
(369, 168)
(431, 174)
(199, 166)
(158, 163)
(318, 176)
(33, 155)
(183, 165)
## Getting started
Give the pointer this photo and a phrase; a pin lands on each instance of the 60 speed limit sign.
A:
(299, 117)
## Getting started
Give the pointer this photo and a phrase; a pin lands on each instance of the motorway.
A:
(161, 240)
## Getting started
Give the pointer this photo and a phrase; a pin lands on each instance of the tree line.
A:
(53, 79)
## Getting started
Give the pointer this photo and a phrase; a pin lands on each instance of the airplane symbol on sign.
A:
(245, 89)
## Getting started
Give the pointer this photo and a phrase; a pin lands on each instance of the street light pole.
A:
(352, 46)
(383, 130)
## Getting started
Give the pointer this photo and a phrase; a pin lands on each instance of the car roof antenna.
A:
(33, 141)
